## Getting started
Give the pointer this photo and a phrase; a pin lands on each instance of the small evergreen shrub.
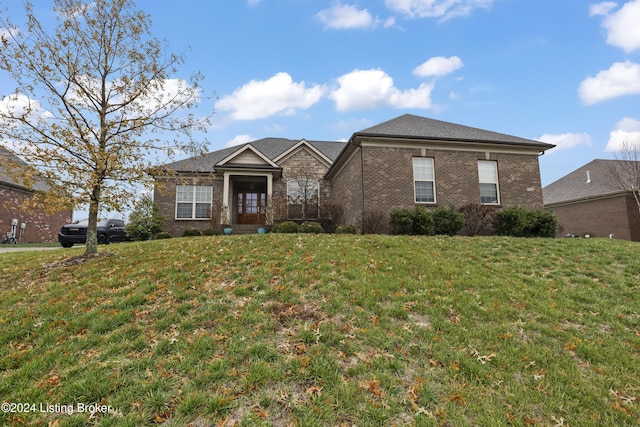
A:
(416, 221)
(162, 235)
(191, 232)
(345, 229)
(311, 227)
(447, 221)
(519, 222)
(286, 227)
(210, 231)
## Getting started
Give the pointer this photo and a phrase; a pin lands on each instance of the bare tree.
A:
(302, 198)
(625, 172)
(95, 104)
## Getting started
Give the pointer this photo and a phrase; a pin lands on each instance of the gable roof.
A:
(10, 168)
(410, 126)
(592, 180)
(270, 148)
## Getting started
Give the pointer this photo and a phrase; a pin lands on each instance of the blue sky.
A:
(564, 72)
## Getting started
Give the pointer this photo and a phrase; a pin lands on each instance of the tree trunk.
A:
(92, 234)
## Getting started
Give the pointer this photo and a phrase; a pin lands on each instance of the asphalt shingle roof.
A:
(10, 168)
(578, 185)
(270, 147)
(411, 126)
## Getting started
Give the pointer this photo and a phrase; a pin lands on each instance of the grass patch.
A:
(326, 330)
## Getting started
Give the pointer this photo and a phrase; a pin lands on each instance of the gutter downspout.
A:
(362, 186)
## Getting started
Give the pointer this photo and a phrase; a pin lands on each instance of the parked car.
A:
(109, 231)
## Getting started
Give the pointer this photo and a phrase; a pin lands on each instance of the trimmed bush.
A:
(416, 221)
(162, 235)
(191, 232)
(447, 221)
(311, 227)
(286, 227)
(210, 232)
(345, 229)
(519, 222)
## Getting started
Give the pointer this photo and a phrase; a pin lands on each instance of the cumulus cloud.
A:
(443, 9)
(438, 66)
(365, 89)
(602, 8)
(239, 140)
(627, 133)
(341, 17)
(623, 29)
(265, 98)
(623, 78)
(566, 141)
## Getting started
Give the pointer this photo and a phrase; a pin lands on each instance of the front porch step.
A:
(245, 228)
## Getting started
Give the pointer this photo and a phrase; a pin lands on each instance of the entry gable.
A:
(301, 145)
(247, 155)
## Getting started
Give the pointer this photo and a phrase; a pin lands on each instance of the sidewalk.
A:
(11, 248)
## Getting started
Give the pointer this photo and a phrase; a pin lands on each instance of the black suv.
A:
(109, 231)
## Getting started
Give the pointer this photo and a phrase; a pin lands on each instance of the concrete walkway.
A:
(11, 248)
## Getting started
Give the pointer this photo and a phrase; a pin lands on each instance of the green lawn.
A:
(316, 330)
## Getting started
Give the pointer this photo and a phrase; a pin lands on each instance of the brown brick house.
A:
(588, 201)
(38, 227)
(405, 161)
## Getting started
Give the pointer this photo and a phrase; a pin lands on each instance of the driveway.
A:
(10, 248)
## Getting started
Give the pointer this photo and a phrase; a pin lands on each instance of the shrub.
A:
(519, 222)
(311, 227)
(541, 223)
(373, 222)
(286, 227)
(417, 221)
(345, 229)
(162, 235)
(191, 232)
(145, 220)
(210, 231)
(447, 221)
(478, 219)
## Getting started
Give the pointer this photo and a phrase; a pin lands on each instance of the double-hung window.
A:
(303, 198)
(424, 183)
(488, 177)
(193, 202)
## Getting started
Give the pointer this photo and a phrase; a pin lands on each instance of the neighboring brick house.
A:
(589, 201)
(38, 227)
(403, 162)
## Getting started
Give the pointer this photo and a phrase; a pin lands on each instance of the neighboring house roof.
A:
(592, 180)
(412, 127)
(270, 148)
(11, 166)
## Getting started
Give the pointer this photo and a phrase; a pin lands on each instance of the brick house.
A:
(38, 227)
(589, 201)
(405, 161)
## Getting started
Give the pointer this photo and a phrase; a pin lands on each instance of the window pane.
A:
(488, 193)
(422, 169)
(202, 210)
(184, 210)
(302, 198)
(184, 193)
(487, 171)
(424, 192)
(203, 194)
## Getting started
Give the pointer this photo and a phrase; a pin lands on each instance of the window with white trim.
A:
(193, 202)
(424, 183)
(488, 177)
(303, 196)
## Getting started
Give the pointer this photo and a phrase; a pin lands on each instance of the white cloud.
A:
(602, 8)
(623, 26)
(623, 78)
(341, 17)
(264, 98)
(239, 140)
(566, 141)
(18, 105)
(365, 89)
(627, 132)
(443, 9)
(438, 66)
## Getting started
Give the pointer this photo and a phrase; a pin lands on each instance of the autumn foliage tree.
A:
(96, 103)
(625, 172)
